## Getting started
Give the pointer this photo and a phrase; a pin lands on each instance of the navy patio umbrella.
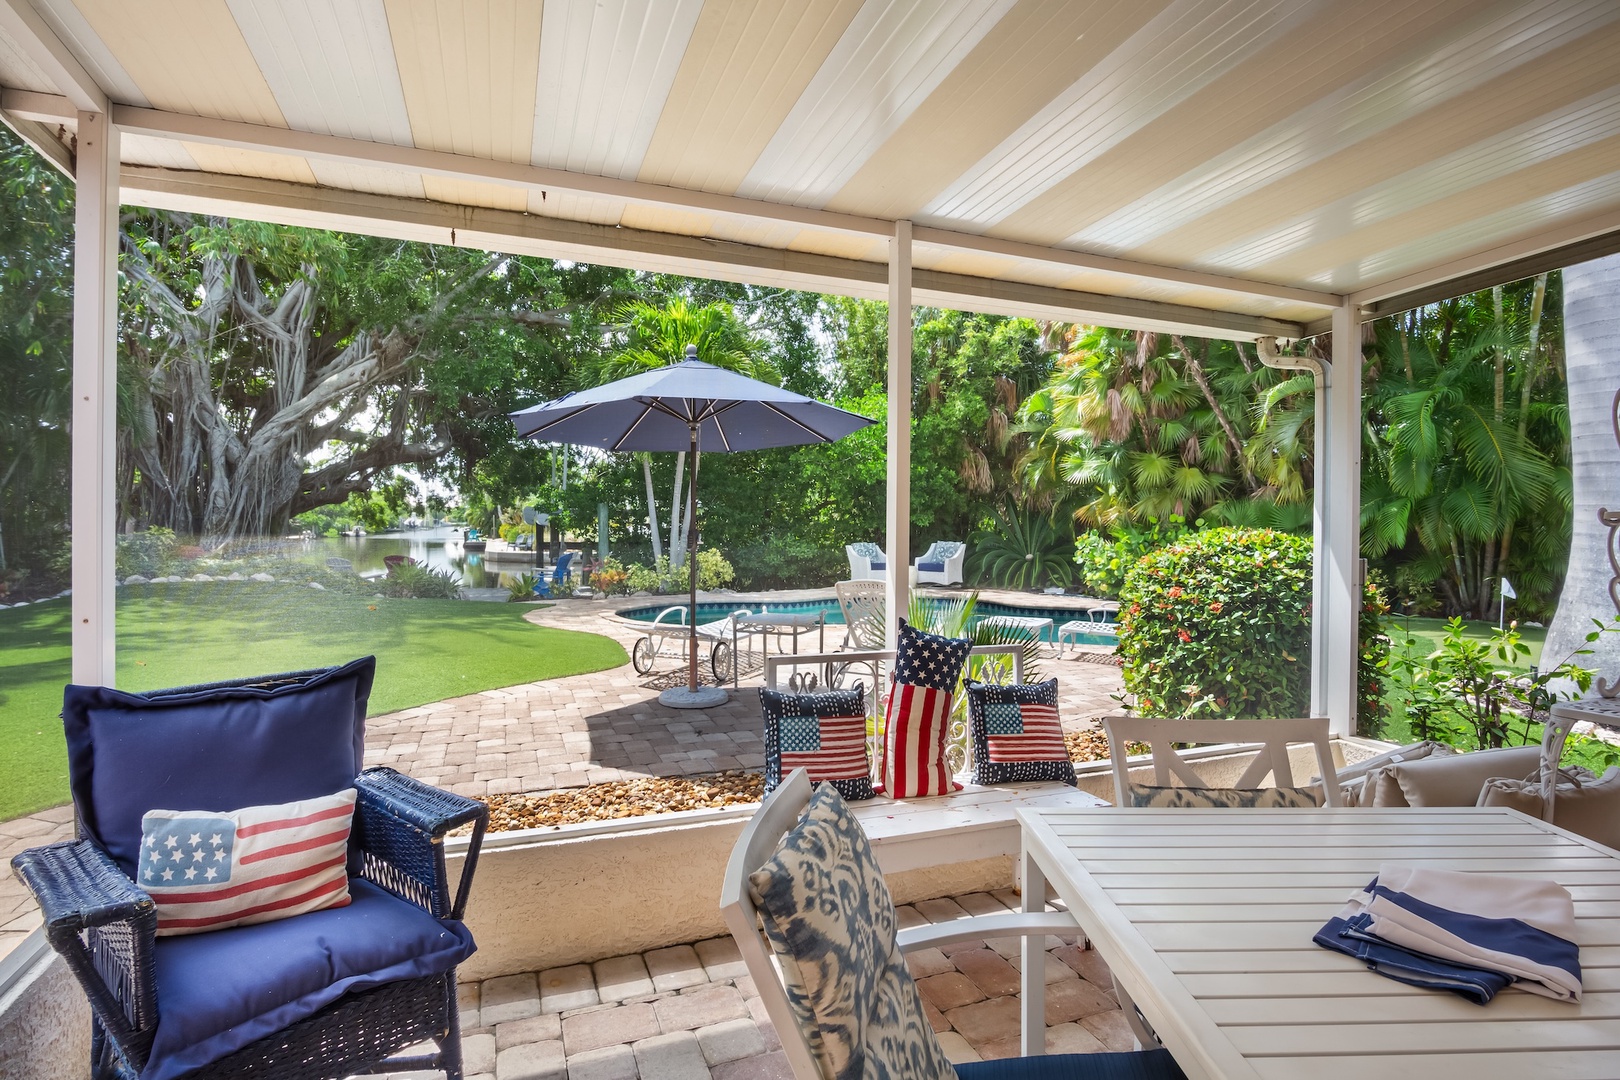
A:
(699, 408)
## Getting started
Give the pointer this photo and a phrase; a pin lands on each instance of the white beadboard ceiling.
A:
(1230, 165)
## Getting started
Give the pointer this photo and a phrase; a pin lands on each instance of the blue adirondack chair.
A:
(559, 576)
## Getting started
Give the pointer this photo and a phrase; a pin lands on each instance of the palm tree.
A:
(657, 335)
(1591, 350)
(1453, 465)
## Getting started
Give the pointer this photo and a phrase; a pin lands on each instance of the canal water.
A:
(438, 549)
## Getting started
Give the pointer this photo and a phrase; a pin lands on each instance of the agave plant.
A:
(1024, 551)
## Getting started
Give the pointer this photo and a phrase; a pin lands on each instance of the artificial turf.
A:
(178, 634)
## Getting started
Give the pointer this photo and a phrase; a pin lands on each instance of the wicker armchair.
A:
(140, 985)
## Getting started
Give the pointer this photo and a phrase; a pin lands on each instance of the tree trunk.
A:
(652, 507)
(677, 533)
(1592, 354)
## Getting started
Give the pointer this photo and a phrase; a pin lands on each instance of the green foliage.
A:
(1104, 555)
(1021, 550)
(787, 562)
(610, 578)
(1218, 624)
(714, 571)
(1475, 693)
(146, 552)
(415, 581)
(1372, 662)
(521, 590)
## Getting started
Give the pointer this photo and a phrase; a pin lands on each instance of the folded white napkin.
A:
(1517, 926)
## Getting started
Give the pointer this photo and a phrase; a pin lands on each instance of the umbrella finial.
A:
(691, 352)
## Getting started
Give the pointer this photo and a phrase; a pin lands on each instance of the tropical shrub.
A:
(521, 589)
(714, 572)
(1023, 551)
(1372, 661)
(787, 562)
(1219, 624)
(610, 577)
(1104, 557)
(144, 552)
(415, 581)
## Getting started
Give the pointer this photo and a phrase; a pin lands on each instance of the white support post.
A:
(95, 383)
(897, 539)
(1336, 594)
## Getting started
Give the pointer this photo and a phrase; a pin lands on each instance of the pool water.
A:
(709, 612)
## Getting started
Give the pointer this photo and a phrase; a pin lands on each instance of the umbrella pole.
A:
(691, 564)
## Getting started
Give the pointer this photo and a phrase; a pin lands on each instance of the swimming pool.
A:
(710, 611)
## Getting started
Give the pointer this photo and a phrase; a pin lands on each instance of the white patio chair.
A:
(777, 821)
(1193, 790)
(942, 563)
(867, 562)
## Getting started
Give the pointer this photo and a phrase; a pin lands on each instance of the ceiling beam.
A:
(24, 26)
(1551, 249)
(1080, 260)
(181, 127)
(558, 238)
(43, 140)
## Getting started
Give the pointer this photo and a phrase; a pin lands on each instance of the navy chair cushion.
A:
(877, 564)
(931, 567)
(1136, 1065)
(210, 748)
(220, 991)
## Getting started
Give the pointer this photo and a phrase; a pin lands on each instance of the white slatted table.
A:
(1205, 918)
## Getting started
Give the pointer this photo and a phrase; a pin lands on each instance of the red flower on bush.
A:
(1175, 591)
(1184, 636)
(1215, 608)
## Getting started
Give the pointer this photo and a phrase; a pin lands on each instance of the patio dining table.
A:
(1205, 919)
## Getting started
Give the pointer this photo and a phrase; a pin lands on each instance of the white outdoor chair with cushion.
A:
(867, 562)
(942, 563)
(1194, 791)
(802, 885)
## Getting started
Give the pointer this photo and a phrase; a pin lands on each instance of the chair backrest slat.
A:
(778, 814)
(1272, 756)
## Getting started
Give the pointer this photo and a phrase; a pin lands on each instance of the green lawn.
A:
(172, 635)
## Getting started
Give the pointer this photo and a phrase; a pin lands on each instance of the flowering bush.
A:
(1219, 624)
(610, 578)
(1105, 558)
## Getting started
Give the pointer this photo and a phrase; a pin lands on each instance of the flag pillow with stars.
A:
(208, 870)
(1016, 735)
(926, 669)
(823, 733)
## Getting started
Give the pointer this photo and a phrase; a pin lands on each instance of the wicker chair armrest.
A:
(105, 928)
(400, 825)
(78, 886)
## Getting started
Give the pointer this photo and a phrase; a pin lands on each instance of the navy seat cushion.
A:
(1154, 1064)
(210, 748)
(220, 991)
(876, 564)
(931, 567)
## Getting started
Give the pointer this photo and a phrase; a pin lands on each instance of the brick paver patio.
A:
(691, 1012)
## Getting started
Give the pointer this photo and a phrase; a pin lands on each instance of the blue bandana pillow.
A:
(824, 733)
(1017, 738)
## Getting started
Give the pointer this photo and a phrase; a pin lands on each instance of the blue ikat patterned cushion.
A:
(1017, 738)
(831, 921)
(823, 733)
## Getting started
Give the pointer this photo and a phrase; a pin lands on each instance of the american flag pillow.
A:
(823, 733)
(208, 870)
(926, 667)
(1017, 738)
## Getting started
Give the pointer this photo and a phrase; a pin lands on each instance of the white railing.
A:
(876, 657)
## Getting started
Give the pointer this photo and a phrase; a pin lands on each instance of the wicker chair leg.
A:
(450, 1047)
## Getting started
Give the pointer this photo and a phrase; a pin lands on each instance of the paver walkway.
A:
(691, 1012)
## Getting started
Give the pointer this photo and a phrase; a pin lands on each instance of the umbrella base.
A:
(704, 697)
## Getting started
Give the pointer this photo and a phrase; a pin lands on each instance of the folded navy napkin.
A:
(1472, 934)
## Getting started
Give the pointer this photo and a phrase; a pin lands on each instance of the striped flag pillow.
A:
(208, 870)
(926, 668)
(1017, 738)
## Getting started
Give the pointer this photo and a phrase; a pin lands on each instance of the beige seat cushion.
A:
(1585, 805)
(1448, 781)
(1353, 778)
